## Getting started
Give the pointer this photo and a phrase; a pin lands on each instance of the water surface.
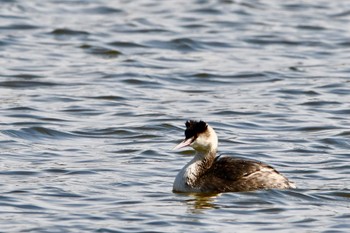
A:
(95, 94)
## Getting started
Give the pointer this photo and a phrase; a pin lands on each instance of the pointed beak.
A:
(184, 143)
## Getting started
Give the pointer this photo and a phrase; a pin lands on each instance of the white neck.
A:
(186, 179)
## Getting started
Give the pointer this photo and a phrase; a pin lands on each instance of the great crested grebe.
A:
(208, 173)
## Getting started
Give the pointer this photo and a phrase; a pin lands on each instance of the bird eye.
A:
(189, 133)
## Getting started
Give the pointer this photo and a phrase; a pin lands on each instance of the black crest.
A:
(193, 128)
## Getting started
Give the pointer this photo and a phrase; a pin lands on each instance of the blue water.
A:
(93, 96)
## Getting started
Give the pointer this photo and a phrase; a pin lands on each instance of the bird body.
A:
(208, 173)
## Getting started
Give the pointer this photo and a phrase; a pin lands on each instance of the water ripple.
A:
(69, 32)
(100, 51)
(35, 133)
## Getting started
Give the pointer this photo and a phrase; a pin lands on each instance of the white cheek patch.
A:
(203, 143)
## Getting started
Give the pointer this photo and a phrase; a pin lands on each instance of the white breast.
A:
(185, 179)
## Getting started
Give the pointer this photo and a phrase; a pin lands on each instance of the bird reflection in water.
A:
(200, 201)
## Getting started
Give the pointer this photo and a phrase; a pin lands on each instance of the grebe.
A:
(208, 173)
